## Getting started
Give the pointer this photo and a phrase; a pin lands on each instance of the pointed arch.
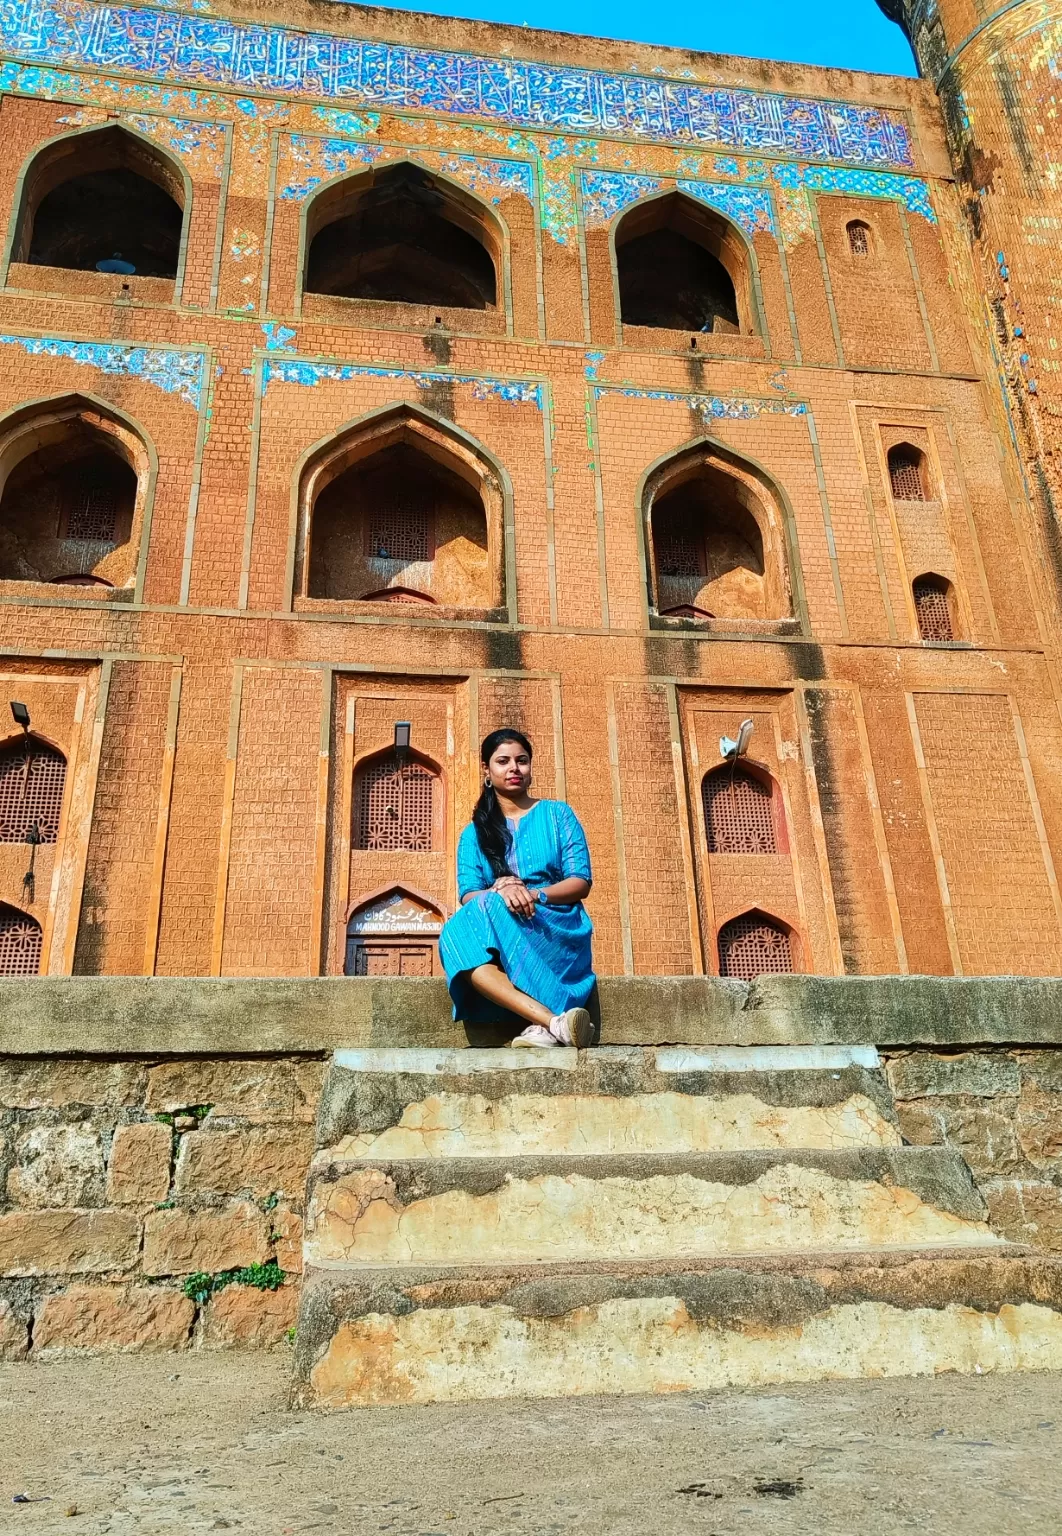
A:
(67, 464)
(935, 607)
(32, 789)
(21, 942)
(719, 537)
(756, 943)
(399, 233)
(743, 810)
(398, 803)
(680, 264)
(449, 498)
(393, 931)
(112, 164)
(908, 473)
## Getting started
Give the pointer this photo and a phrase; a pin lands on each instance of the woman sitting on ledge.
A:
(520, 942)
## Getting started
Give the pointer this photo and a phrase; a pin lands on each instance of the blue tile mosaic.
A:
(711, 407)
(298, 371)
(177, 373)
(326, 159)
(211, 51)
(278, 338)
(606, 193)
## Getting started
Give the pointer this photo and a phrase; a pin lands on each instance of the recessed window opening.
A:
(378, 527)
(65, 510)
(32, 782)
(708, 549)
(738, 812)
(403, 237)
(676, 263)
(20, 943)
(754, 945)
(933, 608)
(104, 202)
(907, 475)
(394, 806)
(859, 238)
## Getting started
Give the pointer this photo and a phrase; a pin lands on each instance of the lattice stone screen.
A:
(678, 553)
(394, 807)
(932, 610)
(859, 239)
(32, 780)
(400, 530)
(738, 815)
(751, 946)
(20, 943)
(93, 511)
(905, 474)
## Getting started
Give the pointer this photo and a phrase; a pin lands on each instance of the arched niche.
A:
(743, 810)
(755, 943)
(21, 942)
(74, 481)
(400, 509)
(398, 804)
(401, 235)
(908, 473)
(32, 788)
(393, 931)
(936, 611)
(682, 266)
(716, 540)
(92, 196)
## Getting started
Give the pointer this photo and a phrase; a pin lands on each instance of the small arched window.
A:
(394, 806)
(907, 476)
(32, 780)
(401, 527)
(932, 600)
(754, 945)
(859, 238)
(20, 943)
(738, 812)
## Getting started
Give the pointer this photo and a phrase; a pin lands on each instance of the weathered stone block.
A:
(257, 1161)
(925, 1074)
(183, 1242)
(14, 1334)
(920, 1125)
(242, 1316)
(112, 1317)
(67, 1242)
(139, 1168)
(263, 1091)
(287, 1236)
(1039, 1126)
(35, 1083)
(985, 1137)
(57, 1165)
(1043, 1068)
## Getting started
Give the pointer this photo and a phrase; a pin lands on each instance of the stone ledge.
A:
(175, 1016)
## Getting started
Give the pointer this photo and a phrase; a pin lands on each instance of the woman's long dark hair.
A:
(493, 836)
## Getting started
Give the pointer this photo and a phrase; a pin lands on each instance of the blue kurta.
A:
(548, 955)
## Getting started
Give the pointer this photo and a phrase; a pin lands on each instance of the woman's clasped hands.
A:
(516, 896)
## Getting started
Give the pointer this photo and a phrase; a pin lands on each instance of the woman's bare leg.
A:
(493, 983)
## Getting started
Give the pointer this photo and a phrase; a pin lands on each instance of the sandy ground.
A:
(178, 1444)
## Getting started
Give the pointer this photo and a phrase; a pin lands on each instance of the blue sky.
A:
(851, 33)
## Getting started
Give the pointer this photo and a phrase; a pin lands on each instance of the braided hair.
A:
(494, 838)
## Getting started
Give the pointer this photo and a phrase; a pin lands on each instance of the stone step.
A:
(570, 1208)
(423, 1335)
(504, 1103)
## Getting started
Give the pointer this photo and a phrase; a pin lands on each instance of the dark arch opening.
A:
(376, 528)
(21, 941)
(676, 261)
(907, 473)
(103, 197)
(858, 237)
(934, 607)
(65, 509)
(755, 945)
(708, 549)
(403, 237)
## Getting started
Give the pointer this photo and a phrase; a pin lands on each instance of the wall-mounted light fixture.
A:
(21, 714)
(729, 749)
(403, 731)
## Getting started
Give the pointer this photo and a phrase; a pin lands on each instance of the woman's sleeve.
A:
(472, 873)
(574, 853)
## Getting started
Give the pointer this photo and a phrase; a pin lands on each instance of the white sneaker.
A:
(573, 1027)
(533, 1036)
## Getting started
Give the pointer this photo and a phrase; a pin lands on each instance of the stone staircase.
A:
(498, 1223)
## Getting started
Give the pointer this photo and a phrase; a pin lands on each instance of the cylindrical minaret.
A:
(997, 67)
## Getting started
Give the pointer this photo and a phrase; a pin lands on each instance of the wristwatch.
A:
(541, 897)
